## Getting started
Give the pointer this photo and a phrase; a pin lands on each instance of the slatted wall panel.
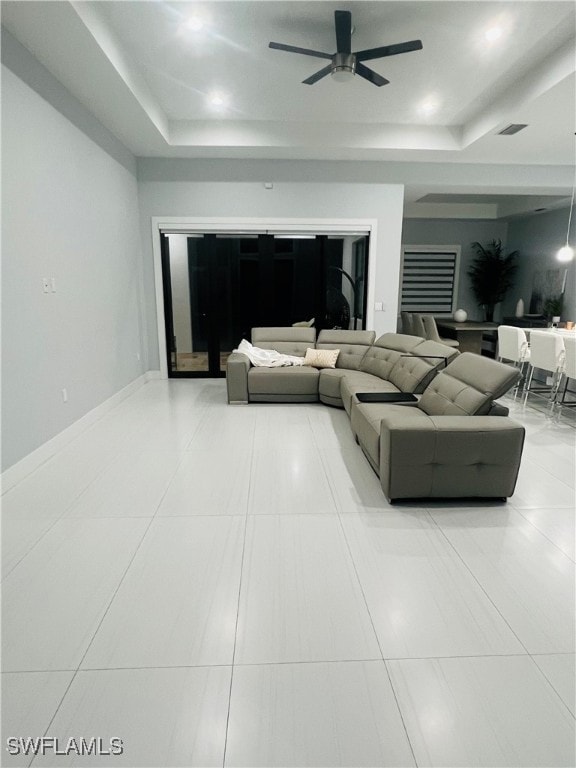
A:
(429, 280)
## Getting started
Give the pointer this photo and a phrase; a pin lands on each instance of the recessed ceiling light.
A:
(492, 34)
(195, 22)
(217, 99)
(428, 107)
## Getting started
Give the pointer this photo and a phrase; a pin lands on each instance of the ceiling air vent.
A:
(511, 129)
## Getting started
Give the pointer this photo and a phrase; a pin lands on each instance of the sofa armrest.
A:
(449, 456)
(237, 367)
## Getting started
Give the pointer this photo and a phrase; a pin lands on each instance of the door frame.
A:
(252, 226)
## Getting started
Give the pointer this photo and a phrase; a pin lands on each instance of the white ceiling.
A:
(146, 76)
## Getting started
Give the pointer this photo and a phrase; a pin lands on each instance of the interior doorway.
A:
(217, 287)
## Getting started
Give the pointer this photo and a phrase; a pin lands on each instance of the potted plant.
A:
(553, 308)
(491, 275)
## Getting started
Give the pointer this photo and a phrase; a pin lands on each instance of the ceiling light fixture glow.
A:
(194, 24)
(492, 34)
(217, 99)
(566, 253)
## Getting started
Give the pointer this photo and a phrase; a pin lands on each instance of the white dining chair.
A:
(569, 368)
(513, 348)
(546, 354)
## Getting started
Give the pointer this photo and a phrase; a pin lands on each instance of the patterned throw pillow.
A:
(321, 358)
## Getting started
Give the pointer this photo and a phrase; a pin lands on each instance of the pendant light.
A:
(566, 253)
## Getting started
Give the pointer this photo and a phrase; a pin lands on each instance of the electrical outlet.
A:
(65, 395)
(45, 285)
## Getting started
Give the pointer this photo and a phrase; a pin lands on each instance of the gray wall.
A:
(462, 232)
(70, 211)
(161, 195)
(538, 238)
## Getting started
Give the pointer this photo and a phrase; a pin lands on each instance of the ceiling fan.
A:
(344, 64)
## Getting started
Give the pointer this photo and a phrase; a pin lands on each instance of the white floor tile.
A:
(48, 491)
(178, 603)
(536, 487)
(164, 717)
(560, 671)
(491, 711)
(78, 584)
(558, 524)
(55, 598)
(555, 457)
(29, 701)
(300, 598)
(337, 714)
(132, 486)
(226, 427)
(284, 426)
(19, 535)
(209, 482)
(422, 599)
(528, 578)
(356, 485)
(287, 481)
(331, 428)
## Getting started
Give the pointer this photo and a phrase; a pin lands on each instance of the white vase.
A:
(460, 315)
(520, 308)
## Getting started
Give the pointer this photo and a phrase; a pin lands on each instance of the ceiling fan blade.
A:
(318, 75)
(388, 50)
(370, 75)
(343, 20)
(294, 49)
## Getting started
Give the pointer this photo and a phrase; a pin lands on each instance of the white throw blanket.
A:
(267, 357)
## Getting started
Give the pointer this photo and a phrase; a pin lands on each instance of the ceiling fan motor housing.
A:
(343, 66)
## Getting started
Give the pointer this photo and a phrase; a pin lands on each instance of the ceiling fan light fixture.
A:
(343, 67)
(342, 74)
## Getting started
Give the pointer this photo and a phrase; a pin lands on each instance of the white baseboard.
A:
(17, 472)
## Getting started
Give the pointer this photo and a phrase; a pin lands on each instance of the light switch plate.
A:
(378, 306)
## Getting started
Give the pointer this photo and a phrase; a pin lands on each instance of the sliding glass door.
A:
(218, 287)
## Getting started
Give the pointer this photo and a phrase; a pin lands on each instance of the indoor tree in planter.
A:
(491, 275)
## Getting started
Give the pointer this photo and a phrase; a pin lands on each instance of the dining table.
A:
(468, 334)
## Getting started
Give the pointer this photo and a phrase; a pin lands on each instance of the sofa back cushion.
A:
(289, 341)
(380, 359)
(352, 345)
(413, 373)
(468, 386)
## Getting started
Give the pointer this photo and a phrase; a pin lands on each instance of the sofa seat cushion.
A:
(329, 385)
(366, 419)
(291, 380)
(358, 381)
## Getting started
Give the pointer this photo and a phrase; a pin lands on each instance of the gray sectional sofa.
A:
(452, 440)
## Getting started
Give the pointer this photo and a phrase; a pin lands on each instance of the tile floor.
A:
(227, 586)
